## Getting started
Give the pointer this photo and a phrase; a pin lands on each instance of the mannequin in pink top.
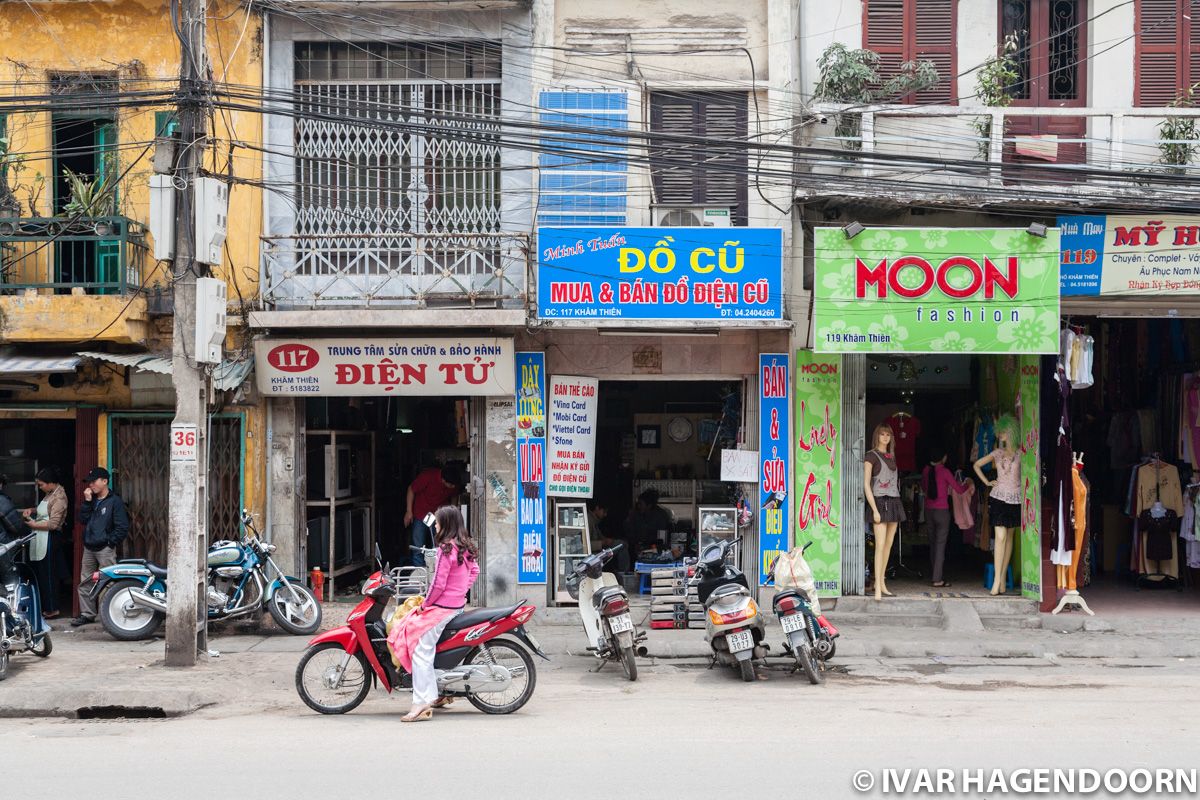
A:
(1004, 500)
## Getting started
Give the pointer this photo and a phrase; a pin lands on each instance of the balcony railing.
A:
(941, 149)
(100, 255)
(395, 270)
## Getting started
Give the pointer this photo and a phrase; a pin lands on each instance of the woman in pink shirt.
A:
(414, 640)
(938, 483)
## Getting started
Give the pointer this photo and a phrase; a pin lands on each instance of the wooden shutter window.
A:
(700, 175)
(912, 30)
(1164, 47)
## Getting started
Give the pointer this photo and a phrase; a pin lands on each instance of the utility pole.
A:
(187, 614)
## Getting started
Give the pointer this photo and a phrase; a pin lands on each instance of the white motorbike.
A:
(733, 626)
(604, 608)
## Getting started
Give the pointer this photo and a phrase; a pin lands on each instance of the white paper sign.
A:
(571, 436)
(184, 441)
(410, 365)
(739, 466)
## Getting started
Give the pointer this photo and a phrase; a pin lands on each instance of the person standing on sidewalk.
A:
(50, 516)
(105, 525)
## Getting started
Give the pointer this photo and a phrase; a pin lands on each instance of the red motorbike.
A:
(495, 674)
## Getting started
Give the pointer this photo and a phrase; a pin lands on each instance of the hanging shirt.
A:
(907, 428)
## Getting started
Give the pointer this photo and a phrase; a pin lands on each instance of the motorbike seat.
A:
(155, 569)
(602, 596)
(786, 593)
(477, 616)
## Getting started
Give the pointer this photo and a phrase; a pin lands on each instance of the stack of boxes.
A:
(673, 604)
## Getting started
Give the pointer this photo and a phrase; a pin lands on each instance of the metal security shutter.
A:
(914, 30)
(701, 174)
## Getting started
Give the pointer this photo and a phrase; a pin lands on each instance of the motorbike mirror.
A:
(378, 555)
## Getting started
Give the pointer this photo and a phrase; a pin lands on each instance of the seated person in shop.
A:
(600, 529)
(647, 521)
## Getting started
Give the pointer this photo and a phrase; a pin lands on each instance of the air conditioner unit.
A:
(692, 216)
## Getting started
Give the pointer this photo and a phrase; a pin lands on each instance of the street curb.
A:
(103, 704)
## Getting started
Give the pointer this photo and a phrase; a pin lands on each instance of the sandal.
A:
(420, 716)
(442, 702)
(940, 584)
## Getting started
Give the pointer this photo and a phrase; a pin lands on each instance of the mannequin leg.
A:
(885, 536)
(999, 562)
(1008, 548)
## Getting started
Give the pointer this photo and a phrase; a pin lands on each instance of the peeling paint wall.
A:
(134, 40)
(500, 460)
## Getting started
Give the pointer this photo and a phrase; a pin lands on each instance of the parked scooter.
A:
(733, 627)
(473, 658)
(133, 591)
(808, 636)
(22, 629)
(604, 608)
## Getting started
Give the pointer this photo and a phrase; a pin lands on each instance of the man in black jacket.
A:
(105, 525)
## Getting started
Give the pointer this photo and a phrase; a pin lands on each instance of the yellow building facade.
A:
(85, 308)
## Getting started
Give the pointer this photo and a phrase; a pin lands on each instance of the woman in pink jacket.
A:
(415, 638)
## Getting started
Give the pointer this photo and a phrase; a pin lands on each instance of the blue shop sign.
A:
(597, 273)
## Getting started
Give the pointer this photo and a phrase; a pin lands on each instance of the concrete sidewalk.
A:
(91, 674)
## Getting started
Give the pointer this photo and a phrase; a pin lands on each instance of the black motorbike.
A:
(22, 629)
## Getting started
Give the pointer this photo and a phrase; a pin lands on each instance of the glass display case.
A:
(571, 544)
(718, 524)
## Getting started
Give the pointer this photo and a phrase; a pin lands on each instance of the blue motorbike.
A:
(133, 592)
(22, 629)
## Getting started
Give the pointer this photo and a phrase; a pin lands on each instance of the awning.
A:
(227, 376)
(12, 364)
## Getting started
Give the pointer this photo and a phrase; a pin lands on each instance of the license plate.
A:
(620, 624)
(742, 640)
(792, 623)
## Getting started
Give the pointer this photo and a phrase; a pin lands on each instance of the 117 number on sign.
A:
(184, 440)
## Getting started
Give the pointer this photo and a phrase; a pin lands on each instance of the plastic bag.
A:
(793, 572)
(403, 610)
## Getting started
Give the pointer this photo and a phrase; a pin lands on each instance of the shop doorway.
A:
(1134, 413)
(951, 407)
(658, 487)
(26, 448)
(362, 454)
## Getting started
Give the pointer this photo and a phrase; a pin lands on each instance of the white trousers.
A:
(424, 676)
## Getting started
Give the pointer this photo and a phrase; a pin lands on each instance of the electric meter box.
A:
(212, 219)
(210, 320)
(162, 216)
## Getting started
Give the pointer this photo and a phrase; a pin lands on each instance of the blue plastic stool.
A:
(989, 575)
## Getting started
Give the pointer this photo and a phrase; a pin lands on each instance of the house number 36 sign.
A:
(184, 440)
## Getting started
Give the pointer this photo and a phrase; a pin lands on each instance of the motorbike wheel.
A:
(298, 618)
(504, 653)
(3, 664)
(43, 648)
(747, 669)
(318, 671)
(122, 619)
(629, 663)
(806, 657)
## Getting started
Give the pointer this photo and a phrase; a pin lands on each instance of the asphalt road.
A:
(680, 731)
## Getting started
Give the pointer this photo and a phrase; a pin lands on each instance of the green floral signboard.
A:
(936, 290)
(819, 467)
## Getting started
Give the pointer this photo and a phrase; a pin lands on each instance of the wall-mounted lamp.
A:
(1036, 229)
(856, 227)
